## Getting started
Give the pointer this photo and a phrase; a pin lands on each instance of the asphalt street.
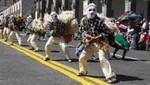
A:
(19, 69)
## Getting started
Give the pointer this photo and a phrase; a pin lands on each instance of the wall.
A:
(141, 6)
(28, 5)
(118, 7)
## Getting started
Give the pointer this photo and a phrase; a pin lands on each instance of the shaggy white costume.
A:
(99, 46)
(14, 29)
(6, 30)
(1, 29)
(71, 27)
(37, 26)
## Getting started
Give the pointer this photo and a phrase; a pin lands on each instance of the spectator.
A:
(148, 41)
(142, 40)
(135, 35)
(145, 25)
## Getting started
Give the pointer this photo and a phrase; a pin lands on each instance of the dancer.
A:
(61, 29)
(95, 31)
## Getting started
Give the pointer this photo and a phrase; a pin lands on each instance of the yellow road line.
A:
(59, 67)
(72, 70)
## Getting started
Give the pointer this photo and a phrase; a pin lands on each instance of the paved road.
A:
(18, 69)
(134, 71)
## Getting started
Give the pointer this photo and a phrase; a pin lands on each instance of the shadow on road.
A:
(120, 77)
(25, 45)
(73, 60)
(55, 51)
(76, 60)
(95, 76)
(128, 59)
(127, 78)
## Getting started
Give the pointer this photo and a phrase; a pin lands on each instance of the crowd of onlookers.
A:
(138, 34)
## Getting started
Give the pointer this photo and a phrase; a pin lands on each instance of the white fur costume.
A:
(6, 30)
(71, 27)
(14, 30)
(111, 25)
(92, 48)
(1, 29)
(37, 26)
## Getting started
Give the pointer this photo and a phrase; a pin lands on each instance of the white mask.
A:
(91, 11)
(54, 16)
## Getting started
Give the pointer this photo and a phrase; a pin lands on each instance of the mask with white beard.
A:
(54, 16)
(91, 11)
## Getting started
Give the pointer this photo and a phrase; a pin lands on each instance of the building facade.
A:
(110, 8)
(20, 7)
(140, 6)
(43, 6)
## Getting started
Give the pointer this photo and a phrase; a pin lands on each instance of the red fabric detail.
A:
(148, 38)
(68, 38)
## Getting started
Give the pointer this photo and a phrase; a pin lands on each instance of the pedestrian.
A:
(142, 40)
(95, 30)
(57, 28)
(135, 35)
(148, 41)
(145, 25)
